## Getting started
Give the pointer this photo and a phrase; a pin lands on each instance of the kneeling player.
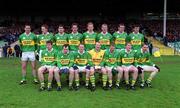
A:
(144, 64)
(111, 64)
(48, 65)
(127, 61)
(83, 63)
(65, 61)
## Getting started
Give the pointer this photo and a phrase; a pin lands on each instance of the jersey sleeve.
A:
(71, 60)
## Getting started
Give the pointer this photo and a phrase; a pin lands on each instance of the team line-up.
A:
(87, 53)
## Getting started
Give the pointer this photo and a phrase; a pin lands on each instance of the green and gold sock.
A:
(110, 82)
(133, 82)
(92, 79)
(127, 81)
(59, 84)
(77, 82)
(49, 84)
(104, 80)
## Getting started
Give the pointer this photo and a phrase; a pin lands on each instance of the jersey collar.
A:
(50, 51)
(61, 34)
(81, 53)
(46, 33)
(103, 33)
(91, 32)
(74, 33)
(27, 34)
(135, 33)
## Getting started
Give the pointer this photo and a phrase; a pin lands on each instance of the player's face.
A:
(49, 46)
(128, 47)
(27, 29)
(65, 50)
(44, 30)
(145, 48)
(104, 28)
(121, 28)
(81, 48)
(74, 28)
(61, 30)
(90, 27)
(112, 48)
(98, 46)
(136, 29)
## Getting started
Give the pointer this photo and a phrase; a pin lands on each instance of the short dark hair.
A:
(121, 24)
(27, 24)
(74, 24)
(49, 41)
(66, 45)
(45, 25)
(60, 25)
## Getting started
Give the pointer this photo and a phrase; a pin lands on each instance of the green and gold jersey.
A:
(48, 57)
(65, 59)
(136, 40)
(60, 40)
(105, 40)
(97, 57)
(127, 58)
(120, 39)
(143, 58)
(111, 58)
(28, 42)
(74, 41)
(89, 40)
(42, 39)
(83, 59)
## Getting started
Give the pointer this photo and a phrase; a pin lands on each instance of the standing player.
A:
(47, 65)
(120, 37)
(136, 38)
(65, 61)
(43, 38)
(144, 64)
(89, 37)
(127, 61)
(98, 61)
(111, 57)
(83, 63)
(74, 38)
(104, 37)
(28, 46)
(60, 38)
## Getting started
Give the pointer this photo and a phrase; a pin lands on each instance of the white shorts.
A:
(148, 68)
(48, 67)
(28, 56)
(128, 67)
(110, 68)
(82, 68)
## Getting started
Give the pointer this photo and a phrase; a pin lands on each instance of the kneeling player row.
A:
(124, 62)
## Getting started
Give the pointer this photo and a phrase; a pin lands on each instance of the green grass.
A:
(164, 94)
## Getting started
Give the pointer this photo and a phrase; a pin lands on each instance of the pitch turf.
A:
(164, 94)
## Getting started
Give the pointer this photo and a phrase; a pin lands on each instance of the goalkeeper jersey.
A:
(60, 40)
(48, 57)
(105, 40)
(120, 39)
(43, 38)
(83, 59)
(136, 40)
(127, 58)
(111, 59)
(74, 41)
(65, 59)
(89, 40)
(143, 58)
(97, 57)
(28, 42)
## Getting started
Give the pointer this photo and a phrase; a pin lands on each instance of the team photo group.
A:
(120, 60)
